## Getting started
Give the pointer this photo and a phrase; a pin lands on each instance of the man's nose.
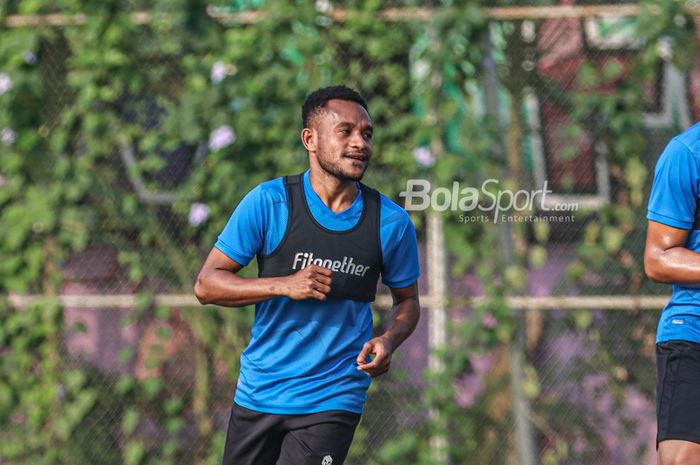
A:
(358, 141)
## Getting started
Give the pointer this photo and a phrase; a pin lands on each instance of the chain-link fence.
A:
(536, 341)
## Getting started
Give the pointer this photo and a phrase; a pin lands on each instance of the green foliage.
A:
(42, 402)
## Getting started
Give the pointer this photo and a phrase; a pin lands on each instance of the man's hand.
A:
(406, 312)
(311, 282)
(382, 348)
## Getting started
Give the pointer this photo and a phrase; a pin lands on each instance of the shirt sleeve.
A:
(674, 194)
(242, 238)
(399, 251)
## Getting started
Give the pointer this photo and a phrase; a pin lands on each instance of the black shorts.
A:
(678, 391)
(256, 438)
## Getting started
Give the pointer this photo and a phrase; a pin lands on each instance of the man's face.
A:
(344, 139)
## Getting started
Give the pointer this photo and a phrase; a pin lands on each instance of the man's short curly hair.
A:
(319, 98)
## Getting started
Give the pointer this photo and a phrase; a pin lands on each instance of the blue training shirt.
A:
(673, 202)
(302, 353)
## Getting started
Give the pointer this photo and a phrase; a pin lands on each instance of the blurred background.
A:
(130, 129)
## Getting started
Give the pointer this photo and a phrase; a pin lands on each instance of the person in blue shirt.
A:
(322, 239)
(672, 256)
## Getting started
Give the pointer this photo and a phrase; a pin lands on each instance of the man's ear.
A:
(308, 138)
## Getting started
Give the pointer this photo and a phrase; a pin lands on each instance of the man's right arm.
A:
(218, 283)
(666, 258)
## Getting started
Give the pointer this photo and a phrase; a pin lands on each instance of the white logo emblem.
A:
(327, 460)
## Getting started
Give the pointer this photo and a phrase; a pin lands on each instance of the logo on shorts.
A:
(327, 460)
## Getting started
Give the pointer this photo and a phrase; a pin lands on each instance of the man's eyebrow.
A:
(349, 123)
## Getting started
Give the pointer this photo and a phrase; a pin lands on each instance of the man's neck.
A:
(336, 194)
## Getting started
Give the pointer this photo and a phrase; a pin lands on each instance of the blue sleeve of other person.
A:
(674, 194)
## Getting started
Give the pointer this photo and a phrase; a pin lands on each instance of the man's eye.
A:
(368, 135)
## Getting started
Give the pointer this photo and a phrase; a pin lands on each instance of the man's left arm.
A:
(406, 311)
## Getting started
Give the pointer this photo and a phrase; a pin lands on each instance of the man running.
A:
(322, 239)
(671, 256)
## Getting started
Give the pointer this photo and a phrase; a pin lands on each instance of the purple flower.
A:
(8, 136)
(5, 83)
(580, 444)
(218, 72)
(221, 137)
(199, 213)
(489, 321)
(423, 157)
(29, 58)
